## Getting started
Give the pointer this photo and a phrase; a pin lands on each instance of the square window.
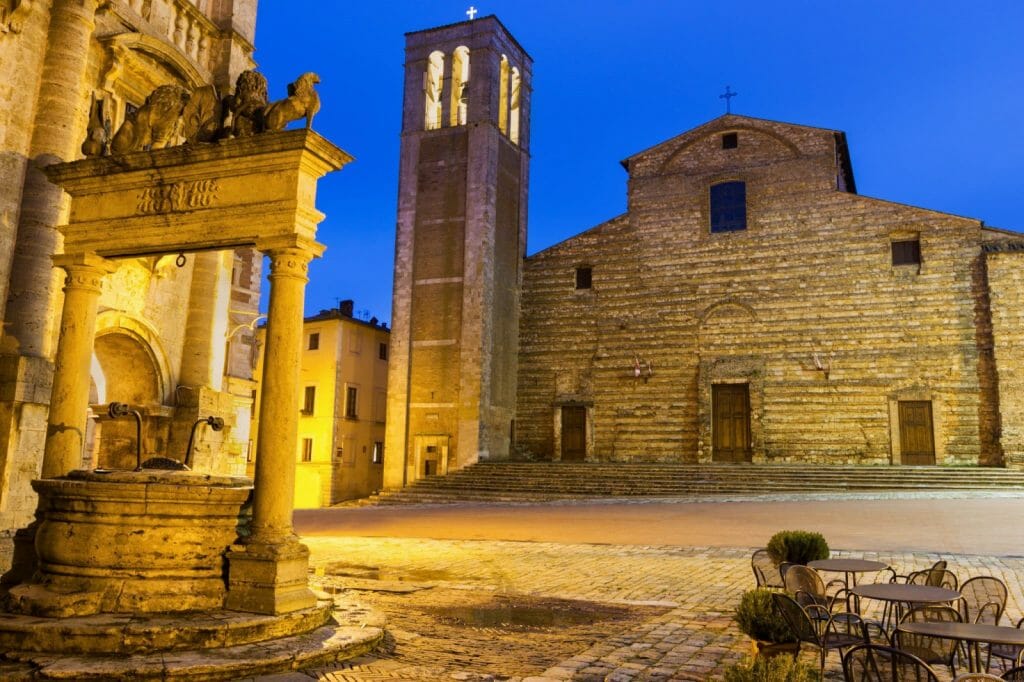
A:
(906, 252)
(728, 202)
(584, 278)
(730, 140)
(307, 449)
(314, 341)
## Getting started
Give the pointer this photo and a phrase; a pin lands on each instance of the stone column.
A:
(268, 573)
(69, 402)
(59, 130)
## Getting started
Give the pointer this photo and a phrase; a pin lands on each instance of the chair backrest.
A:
(930, 649)
(1014, 674)
(795, 615)
(982, 600)
(805, 585)
(875, 663)
(934, 577)
(766, 571)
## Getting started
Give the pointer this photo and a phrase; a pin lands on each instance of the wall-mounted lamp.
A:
(823, 366)
(642, 369)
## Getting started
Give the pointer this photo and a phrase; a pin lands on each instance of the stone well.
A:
(132, 542)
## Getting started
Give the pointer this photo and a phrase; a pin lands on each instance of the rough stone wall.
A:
(808, 284)
(54, 59)
(1006, 287)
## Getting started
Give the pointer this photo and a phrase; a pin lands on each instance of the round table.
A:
(849, 567)
(975, 634)
(902, 593)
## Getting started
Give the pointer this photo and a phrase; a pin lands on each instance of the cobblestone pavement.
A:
(677, 625)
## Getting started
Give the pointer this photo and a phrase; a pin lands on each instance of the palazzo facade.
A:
(174, 334)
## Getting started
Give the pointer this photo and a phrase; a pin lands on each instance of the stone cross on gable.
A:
(727, 97)
(471, 12)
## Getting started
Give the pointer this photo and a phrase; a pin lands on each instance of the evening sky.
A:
(930, 95)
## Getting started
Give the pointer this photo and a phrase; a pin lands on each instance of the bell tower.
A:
(460, 243)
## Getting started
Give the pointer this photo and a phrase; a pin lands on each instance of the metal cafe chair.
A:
(876, 663)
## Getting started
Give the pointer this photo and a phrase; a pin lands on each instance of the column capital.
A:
(85, 270)
(291, 243)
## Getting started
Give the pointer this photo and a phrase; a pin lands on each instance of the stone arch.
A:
(725, 306)
(671, 159)
(460, 86)
(723, 326)
(433, 83)
(159, 50)
(143, 342)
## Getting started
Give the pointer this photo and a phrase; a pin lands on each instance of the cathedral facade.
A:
(749, 306)
(174, 336)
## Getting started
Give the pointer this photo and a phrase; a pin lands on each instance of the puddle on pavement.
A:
(524, 613)
(415, 575)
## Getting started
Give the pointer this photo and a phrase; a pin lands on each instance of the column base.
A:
(269, 578)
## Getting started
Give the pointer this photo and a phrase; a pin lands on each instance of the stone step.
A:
(336, 641)
(537, 481)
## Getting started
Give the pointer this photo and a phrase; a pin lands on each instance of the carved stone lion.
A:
(156, 122)
(302, 101)
(248, 103)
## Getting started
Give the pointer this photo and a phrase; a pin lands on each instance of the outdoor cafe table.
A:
(975, 634)
(848, 567)
(902, 593)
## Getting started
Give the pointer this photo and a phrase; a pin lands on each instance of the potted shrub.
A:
(769, 632)
(776, 669)
(797, 547)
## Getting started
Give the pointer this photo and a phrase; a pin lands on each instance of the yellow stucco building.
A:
(342, 402)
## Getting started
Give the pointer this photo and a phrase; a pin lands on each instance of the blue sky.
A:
(930, 95)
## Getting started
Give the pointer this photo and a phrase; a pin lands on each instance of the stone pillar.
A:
(59, 130)
(267, 574)
(69, 402)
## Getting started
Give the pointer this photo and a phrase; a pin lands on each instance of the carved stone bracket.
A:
(13, 14)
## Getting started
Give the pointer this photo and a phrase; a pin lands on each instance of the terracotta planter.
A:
(773, 649)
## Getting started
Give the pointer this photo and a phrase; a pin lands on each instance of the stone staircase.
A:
(547, 481)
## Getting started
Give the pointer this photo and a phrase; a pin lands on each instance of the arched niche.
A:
(513, 113)
(128, 373)
(460, 86)
(503, 83)
(433, 82)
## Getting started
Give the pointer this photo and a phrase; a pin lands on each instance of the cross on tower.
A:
(471, 12)
(728, 96)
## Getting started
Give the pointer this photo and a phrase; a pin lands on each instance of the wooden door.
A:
(574, 433)
(730, 423)
(917, 441)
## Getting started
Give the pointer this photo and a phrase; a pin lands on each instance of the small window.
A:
(250, 453)
(728, 207)
(307, 449)
(339, 454)
(906, 252)
(351, 394)
(378, 452)
(584, 278)
(314, 341)
(382, 351)
(730, 140)
(309, 400)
